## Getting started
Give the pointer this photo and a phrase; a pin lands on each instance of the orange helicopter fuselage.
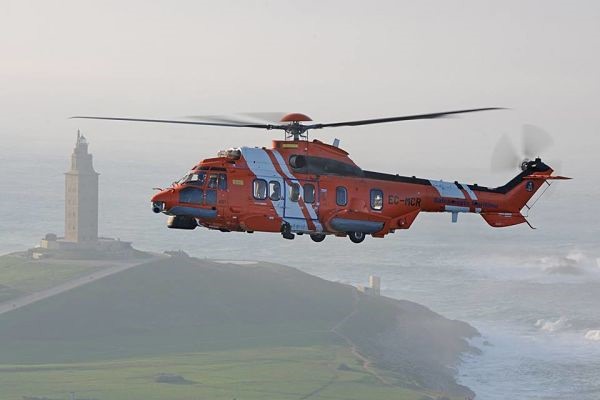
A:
(299, 187)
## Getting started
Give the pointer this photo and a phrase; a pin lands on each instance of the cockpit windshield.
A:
(194, 178)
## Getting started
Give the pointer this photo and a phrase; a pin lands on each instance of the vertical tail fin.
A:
(517, 192)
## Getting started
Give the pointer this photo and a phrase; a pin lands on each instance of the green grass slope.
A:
(175, 305)
(275, 373)
(204, 309)
(20, 275)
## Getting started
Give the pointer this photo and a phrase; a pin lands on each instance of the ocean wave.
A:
(574, 263)
(553, 326)
(593, 334)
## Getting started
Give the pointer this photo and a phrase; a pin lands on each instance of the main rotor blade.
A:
(243, 118)
(167, 121)
(222, 119)
(401, 118)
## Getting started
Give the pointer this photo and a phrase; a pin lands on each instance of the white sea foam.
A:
(553, 326)
(593, 334)
(574, 263)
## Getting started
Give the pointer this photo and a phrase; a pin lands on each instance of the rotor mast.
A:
(295, 130)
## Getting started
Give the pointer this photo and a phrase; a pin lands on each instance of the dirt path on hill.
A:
(367, 364)
(23, 301)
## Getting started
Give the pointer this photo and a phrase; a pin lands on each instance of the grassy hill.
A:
(21, 275)
(251, 331)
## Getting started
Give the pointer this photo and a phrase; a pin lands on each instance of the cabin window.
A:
(309, 193)
(191, 195)
(260, 189)
(274, 190)
(341, 196)
(294, 192)
(376, 199)
(222, 182)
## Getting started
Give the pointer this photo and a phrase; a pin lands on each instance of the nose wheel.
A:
(356, 237)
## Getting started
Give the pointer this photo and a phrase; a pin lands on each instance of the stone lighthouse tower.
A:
(81, 196)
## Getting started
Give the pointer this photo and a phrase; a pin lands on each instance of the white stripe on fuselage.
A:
(469, 191)
(447, 189)
(309, 207)
(262, 166)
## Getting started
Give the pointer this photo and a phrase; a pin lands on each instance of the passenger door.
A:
(301, 199)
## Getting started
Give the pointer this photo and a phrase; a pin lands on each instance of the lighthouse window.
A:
(260, 189)
(309, 193)
(274, 190)
(341, 196)
(376, 199)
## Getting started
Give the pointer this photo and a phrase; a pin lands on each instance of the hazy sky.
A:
(334, 60)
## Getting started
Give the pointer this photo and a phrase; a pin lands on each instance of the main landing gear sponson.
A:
(286, 232)
(356, 237)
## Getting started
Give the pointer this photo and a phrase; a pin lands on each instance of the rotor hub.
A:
(295, 129)
(295, 117)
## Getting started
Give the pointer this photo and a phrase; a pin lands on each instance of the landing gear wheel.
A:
(317, 237)
(356, 237)
(286, 231)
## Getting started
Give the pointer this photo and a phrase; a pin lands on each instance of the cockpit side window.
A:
(191, 195)
(222, 182)
(212, 181)
(201, 178)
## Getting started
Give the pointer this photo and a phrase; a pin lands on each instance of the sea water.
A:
(533, 295)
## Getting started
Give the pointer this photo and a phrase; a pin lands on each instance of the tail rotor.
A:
(507, 157)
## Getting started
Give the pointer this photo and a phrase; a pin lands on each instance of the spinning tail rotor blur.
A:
(534, 142)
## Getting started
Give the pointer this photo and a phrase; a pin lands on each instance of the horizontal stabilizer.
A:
(545, 177)
(502, 219)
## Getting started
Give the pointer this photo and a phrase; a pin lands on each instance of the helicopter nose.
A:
(158, 206)
(163, 200)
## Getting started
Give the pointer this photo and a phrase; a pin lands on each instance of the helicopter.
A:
(308, 187)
